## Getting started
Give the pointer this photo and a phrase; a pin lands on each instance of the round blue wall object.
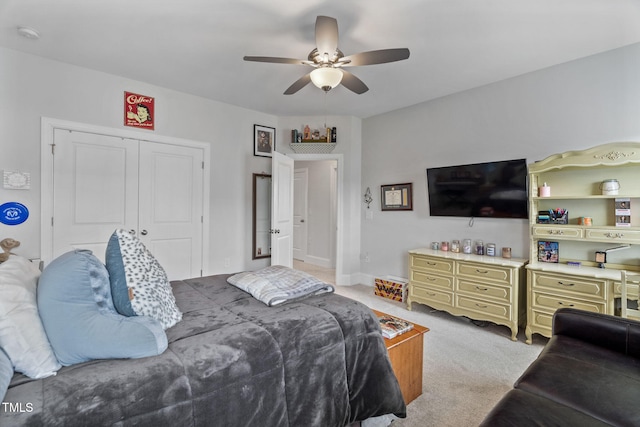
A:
(13, 213)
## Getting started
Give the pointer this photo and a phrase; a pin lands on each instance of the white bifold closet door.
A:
(155, 190)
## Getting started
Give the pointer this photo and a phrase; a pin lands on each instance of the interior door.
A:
(282, 210)
(95, 188)
(170, 207)
(300, 220)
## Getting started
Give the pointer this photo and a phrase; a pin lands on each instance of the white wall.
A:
(575, 105)
(32, 87)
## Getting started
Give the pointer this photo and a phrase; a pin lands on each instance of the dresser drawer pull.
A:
(566, 284)
(432, 263)
(560, 232)
(431, 294)
(482, 271)
(433, 279)
(482, 289)
(614, 235)
(565, 305)
(481, 306)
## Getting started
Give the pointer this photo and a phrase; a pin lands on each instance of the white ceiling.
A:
(196, 46)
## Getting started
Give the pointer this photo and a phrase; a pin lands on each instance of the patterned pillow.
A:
(139, 284)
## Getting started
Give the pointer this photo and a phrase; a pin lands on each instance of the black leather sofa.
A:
(587, 375)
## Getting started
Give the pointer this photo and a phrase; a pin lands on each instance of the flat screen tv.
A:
(492, 189)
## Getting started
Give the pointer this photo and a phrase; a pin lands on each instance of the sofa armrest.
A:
(612, 332)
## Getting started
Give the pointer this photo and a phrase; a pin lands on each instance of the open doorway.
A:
(315, 218)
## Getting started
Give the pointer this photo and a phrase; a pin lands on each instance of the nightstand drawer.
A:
(581, 286)
(617, 235)
(485, 272)
(429, 279)
(433, 264)
(482, 291)
(554, 302)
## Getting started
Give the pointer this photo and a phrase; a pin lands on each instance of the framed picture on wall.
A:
(396, 197)
(264, 140)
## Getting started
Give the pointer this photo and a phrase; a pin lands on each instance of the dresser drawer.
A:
(430, 279)
(566, 284)
(431, 264)
(486, 272)
(495, 310)
(482, 291)
(427, 296)
(554, 302)
(557, 232)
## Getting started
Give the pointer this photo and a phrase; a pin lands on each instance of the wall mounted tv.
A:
(493, 189)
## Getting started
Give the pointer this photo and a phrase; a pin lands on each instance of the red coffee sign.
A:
(138, 110)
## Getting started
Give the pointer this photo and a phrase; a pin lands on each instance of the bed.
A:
(231, 361)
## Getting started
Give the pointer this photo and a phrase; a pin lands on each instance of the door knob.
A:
(302, 220)
(144, 232)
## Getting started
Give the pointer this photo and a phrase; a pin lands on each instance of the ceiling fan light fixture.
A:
(326, 78)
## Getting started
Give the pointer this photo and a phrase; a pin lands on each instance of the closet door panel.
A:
(95, 190)
(170, 206)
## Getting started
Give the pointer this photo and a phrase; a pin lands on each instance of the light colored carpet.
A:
(468, 366)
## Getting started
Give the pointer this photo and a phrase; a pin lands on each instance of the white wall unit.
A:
(479, 287)
(575, 179)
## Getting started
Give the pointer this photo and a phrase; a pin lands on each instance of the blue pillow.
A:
(6, 372)
(74, 301)
(139, 284)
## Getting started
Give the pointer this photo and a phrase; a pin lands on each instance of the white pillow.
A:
(21, 333)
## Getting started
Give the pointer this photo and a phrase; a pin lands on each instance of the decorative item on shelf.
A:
(548, 252)
(587, 221)
(466, 246)
(334, 134)
(455, 246)
(610, 187)
(435, 246)
(444, 246)
(553, 216)
(306, 133)
(623, 212)
(506, 252)
(491, 249)
(544, 191)
(479, 247)
(328, 135)
(574, 263)
(294, 136)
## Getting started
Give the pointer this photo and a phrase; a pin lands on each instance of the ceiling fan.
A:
(328, 61)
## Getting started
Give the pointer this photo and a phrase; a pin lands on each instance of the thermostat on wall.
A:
(17, 180)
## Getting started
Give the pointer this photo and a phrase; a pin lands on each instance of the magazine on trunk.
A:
(392, 326)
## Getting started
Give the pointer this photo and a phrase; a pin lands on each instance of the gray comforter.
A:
(232, 361)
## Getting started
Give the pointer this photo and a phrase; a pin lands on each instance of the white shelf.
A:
(313, 147)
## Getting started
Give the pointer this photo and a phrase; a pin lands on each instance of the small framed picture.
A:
(548, 251)
(264, 140)
(396, 197)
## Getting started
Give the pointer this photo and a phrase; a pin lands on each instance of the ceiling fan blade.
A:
(353, 83)
(375, 57)
(275, 60)
(298, 84)
(326, 35)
